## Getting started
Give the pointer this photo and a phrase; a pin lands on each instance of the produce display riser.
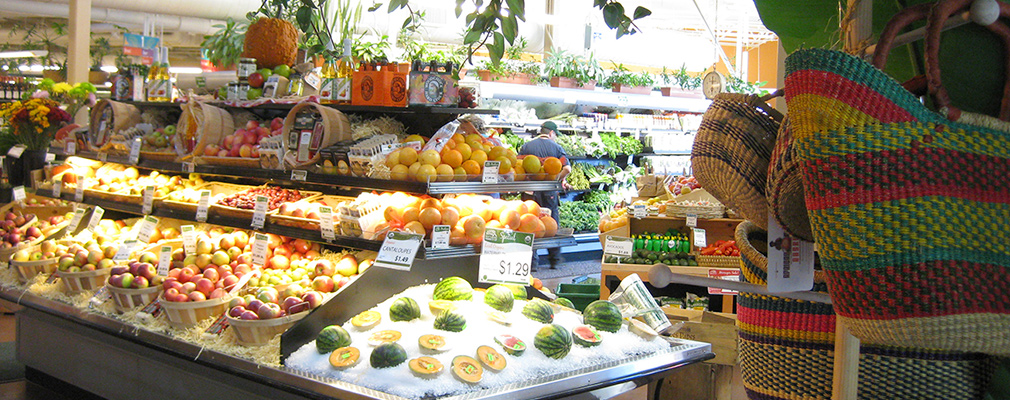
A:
(115, 360)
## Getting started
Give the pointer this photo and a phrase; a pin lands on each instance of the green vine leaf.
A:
(642, 12)
(611, 15)
(374, 7)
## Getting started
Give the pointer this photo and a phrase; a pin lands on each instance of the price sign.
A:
(79, 189)
(165, 260)
(76, 221)
(440, 236)
(189, 239)
(699, 238)
(260, 242)
(147, 227)
(260, 212)
(398, 250)
(416, 145)
(692, 220)
(790, 261)
(19, 194)
(96, 217)
(203, 205)
(16, 151)
(326, 223)
(71, 148)
(50, 157)
(303, 146)
(619, 246)
(103, 156)
(728, 274)
(506, 256)
(57, 189)
(388, 148)
(102, 295)
(124, 251)
(148, 205)
(299, 175)
(491, 171)
(135, 150)
(639, 211)
(188, 167)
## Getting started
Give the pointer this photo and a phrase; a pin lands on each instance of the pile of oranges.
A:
(462, 158)
(468, 215)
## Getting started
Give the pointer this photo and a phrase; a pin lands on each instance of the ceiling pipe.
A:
(185, 8)
(170, 23)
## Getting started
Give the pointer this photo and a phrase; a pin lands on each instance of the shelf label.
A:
(491, 171)
(135, 150)
(96, 217)
(147, 227)
(299, 175)
(103, 156)
(201, 207)
(165, 260)
(102, 295)
(79, 189)
(19, 194)
(16, 151)
(50, 157)
(790, 261)
(699, 237)
(398, 250)
(416, 145)
(388, 148)
(506, 256)
(260, 212)
(619, 246)
(692, 220)
(71, 148)
(189, 239)
(124, 251)
(188, 167)
(148, 205)
(727, 274)
(57, 188)
(260, 243)
(76, 221)
(326, 223)
(639, 211)
(440, 236)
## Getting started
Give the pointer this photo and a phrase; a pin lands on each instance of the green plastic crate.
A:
(580, 295)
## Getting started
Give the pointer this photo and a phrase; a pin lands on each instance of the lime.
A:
(282, 70)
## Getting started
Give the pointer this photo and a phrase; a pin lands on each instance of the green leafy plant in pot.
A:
(679, 82)
(224, 47)
(568, 70)
(622, 80)
(512, 69)
(100, 48)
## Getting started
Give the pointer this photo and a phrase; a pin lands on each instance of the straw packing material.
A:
(335, 128)
(732, 150)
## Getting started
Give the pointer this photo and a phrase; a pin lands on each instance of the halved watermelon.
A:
(586, 336)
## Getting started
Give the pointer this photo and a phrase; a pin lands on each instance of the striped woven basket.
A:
(732, 149)
(785, 186)
(786, 348)
(908, 208)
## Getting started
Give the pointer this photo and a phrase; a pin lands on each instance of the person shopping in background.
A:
(544, 146)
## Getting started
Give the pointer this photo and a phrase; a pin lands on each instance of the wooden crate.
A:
(710, 327)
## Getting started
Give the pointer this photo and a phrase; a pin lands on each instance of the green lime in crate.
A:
(580, 294)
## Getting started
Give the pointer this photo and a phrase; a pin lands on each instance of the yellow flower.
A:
(62, 87)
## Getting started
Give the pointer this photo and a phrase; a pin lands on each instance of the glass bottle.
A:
(152, 79)
(345, 73)
(165, 88)
(328, 77)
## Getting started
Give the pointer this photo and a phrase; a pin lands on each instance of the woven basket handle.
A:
(762, 103)
(937, 17)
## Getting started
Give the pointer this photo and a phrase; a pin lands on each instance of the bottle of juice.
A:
(165, 88)
(152, 79)
(345, 72)
(327, 88)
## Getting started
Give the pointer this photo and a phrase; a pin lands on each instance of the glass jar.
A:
(232, 91)
(295, 85)
(246, 66)
(243, 90)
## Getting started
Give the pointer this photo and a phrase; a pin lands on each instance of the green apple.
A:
(282, 70)
(266, 72)
(254, 94)
(170, 130)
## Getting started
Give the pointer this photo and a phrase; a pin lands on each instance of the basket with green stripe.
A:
(909, 207)
(786, 347)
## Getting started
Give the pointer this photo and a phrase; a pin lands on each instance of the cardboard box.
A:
(719, 329)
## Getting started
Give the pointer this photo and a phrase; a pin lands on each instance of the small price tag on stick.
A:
(124, 251)
(96, 217)
(326, 223)
(71, 148)
(147, 227)
(699, 238)
(260, 242)
(188, 167)
(135, 150)
(79, 189)
(692, 220)
(619, 246)
(639, 211)
(57, 189)
(203, 205)
(260, 212)
(102, 295)
(19, 194)
(76, 221)
(148, 205)
(189, 239)
(491, 171)
(165, 260)
(398, 250)
(440, 236)
(299, 175)
(16, 151)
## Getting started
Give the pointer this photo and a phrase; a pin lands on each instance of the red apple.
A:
(249, 315)
(315, 299)
(197, 296)
(204, 286)
(256, 80)
(254, 305)
(245, 151)
(269, 311)
(252, 124)
(323, 267)
(171, 293)
(236, 311)
(279, 262)
(218, 293)
(323, 283)
(211, 150)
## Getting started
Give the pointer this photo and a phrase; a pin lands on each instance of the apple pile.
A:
(246, 199)
(287, 262)
(330, 277)
(88, 257)
(50, 225)
(266, 304)
(135, 275)
(159, 140)
(301, 209)
(221, 258)
(13, 232)
(36, 202)
(121, 179)
(245, 142)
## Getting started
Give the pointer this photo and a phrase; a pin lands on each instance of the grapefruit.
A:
(414, 227)
(464, 150)
(530, 224)
(430, 157)
(414, 138)
(424, 172)
(520, 172)
(505, 166)
(393, 158)
(429, 217)
(484, 212)
(532, 208)
(430, 202)
(550, 226)
(459, 174)
(457, 237)
(493, 224)
(531, 164)
(392, 214)
(473, 227)
(445, 172)
(479, 156)
(552, 166)
(450, 216)
(510, 219)
(398, 172)
(496, 151)
(409, 214)
(412, 170)
(458, 138)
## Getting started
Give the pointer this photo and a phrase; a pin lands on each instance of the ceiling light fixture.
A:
(24, 53)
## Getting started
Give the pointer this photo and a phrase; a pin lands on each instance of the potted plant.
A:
(622, 80)
(322, 36)
(100, 48)
(571, 71)
(224, 47)
(680, 83)
(270, 38)
(43, 35)
(368, 52)
(511, 69)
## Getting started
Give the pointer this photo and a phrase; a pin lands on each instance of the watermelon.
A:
(586, 336)
(561, 301)
(554, 341)
(453, 288)
(602, 315)
(331, 338)
(499, 298)
(540, 311)
(518, 291)
(404, 309)
(511, 344)
(450, 321)
(387, 355)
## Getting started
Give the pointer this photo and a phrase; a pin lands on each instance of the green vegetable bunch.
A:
(512, 141)
(616, 145)
(579, 216)
(572, 145)
(599, 198)
(578, 179)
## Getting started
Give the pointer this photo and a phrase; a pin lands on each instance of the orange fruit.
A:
(407, 155)
(430, 157)
(393, 158)
(424, 172)
(444, 172)
(520, 173)
(493, 224)
(457, 237)
(464, 150)
(429, 217)
(449, 144)
(529, 224)
(505, 165)
(415, 138)
(392, 214)
(410, 214)
(430, 202)
(471, 167)
(484, 212)
(458, 138)
(415, 227)
(532, 208)
(521, 208)
(550, 226)
(473, 226)
(452, 157)
(473, 137)
(479, 156)
(450, 216)
(459, 174)
(510, 218)
(496, 151)
(552, 165)
(399, 172)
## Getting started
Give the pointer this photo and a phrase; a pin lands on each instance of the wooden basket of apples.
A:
(41, 259)
(134, 285)
(304, 214)
(15, 238)
(241, 148)
(257, 318)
